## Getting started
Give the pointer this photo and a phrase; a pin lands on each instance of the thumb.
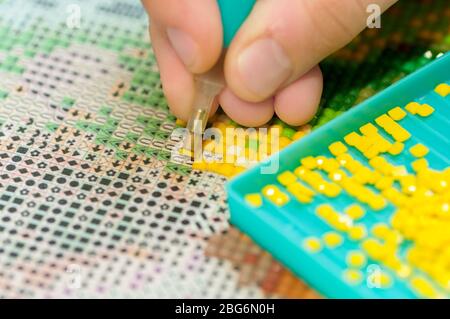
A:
(283, 39)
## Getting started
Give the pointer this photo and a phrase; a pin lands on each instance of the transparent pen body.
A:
(207, 88)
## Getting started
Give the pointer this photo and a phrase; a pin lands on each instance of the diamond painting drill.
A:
(245, 149)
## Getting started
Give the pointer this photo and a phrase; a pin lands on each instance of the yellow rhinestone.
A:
(286, 178)
(337, 148)
(298, 135)
(226, 169)
(353, 276)
(368, 129)
(201, 166)
(272, 193)
(357, 232)
(382, 279)
(373, 248)
(425, 110)
(352, 138)
(381, 230)
(337, 175)
(320, 161)
(378, 162)
(364, 175)
(404, 271)
(399, 171)
(301, 171)
(399, 133)
(280, 199)
(385, 280)
(394, 196)
(186, 152)
(302, 198)
(340, 222)
(325, 211)
(332, 190)
(239, 169)
(419, 165)
(396, 148)
(284, 141)
(344, 159)
(180, 123)
(275, 129)
(300, 192)
(332, 239)
(419, 150)
(309, 162)
(423, 287)
(442, 89)
(412, 107)
(254, 200)
(312, 244)
(355, 211)
(384, 182)
(330, 165)
(383, 120)
(356, 259)
(376, 202)
(372, 152)
(397, 113)
(297, 187)
(270, 190)
(354, 166)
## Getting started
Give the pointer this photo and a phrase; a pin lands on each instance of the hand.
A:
(271, 64)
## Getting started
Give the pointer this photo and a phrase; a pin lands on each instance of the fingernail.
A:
(264, 66)
(184, 45)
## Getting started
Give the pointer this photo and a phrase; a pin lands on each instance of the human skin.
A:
(270, 67)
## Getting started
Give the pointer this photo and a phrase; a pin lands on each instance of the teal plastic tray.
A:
(281, 230)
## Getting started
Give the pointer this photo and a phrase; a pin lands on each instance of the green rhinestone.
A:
(288, 132)
(3, 95)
